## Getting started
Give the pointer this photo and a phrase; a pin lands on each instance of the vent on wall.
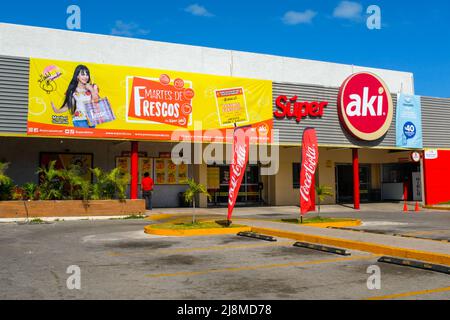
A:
(13, 94)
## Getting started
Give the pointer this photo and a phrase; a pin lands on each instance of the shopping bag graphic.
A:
(99, 112)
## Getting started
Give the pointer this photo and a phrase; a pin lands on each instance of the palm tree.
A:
(190, 194)
(323, 191)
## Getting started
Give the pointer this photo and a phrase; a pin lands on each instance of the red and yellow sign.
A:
(88, 100)
(365, 106)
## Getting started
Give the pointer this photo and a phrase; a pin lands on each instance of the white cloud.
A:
(294, 17)
(128, 29)
(348, 10)
(198, 10)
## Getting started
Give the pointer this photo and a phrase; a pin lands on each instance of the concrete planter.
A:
(70, 208)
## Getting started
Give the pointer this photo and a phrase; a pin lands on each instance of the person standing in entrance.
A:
(147, 190)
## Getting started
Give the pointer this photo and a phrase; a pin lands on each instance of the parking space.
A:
(117, 260)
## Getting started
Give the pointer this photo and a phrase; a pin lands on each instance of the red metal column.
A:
(355, 179)
(134, 170)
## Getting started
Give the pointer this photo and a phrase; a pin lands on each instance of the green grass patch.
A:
(314, 220)
(131, 217)
(36, 221)
(134, 216)
(191, 226)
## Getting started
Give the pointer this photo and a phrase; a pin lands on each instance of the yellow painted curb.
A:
(437, 208)
(194, 232)
(340, 224)
(157, 217)
(437, 258)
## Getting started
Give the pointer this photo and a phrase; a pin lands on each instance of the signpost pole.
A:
(355, 179)
(134, 170)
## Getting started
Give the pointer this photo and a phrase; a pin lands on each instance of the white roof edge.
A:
(27, 41)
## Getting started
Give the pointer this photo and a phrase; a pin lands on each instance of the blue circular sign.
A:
(409, 130)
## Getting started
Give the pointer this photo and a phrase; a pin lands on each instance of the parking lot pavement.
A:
(118, 261)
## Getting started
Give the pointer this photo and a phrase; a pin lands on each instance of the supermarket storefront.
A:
(145, 110)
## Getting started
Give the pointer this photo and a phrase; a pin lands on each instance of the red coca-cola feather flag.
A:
(310, 160)
(241, 144)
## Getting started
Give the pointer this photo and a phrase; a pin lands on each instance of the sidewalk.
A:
(243, 211)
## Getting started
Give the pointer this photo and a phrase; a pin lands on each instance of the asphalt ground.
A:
(118, 260)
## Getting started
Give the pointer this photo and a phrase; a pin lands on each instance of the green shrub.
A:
(6, 184)
(51, 186)
(109, 185)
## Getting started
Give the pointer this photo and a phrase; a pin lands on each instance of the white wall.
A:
(25, 41)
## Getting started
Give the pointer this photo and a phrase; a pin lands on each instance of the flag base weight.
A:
(225, 223)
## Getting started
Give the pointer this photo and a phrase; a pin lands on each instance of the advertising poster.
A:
(182, 173)
(409, 121)
(160, 171)
(213, 178)
(168, 172)
(171, 172)
(123, 163)
(145, 165)
(231, 106)
(88, 100)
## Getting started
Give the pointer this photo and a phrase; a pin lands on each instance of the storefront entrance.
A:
(396, 175)
(249, 192)
(344, 183)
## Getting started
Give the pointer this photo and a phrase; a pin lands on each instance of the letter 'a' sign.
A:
(310, 160)
(365, 106)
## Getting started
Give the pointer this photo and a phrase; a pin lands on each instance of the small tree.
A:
(193, 190)
(323, 191)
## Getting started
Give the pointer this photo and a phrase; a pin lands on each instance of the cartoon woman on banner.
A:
(79, 92)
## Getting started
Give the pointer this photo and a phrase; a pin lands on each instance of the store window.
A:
(296, 175)
(249, 192)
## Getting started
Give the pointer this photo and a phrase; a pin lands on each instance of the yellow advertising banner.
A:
(88, 100)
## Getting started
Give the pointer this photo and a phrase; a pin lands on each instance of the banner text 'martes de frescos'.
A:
(154, 101)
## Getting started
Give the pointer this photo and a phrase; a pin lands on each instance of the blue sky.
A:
(415, 35)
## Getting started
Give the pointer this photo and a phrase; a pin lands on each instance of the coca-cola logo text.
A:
(237, 169)
(309, 164)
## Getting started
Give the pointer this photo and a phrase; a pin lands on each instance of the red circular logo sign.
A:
(188, 93)
(178, 83)
(186, 108)
(415, 156)
(365, 106)
(164, 79)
